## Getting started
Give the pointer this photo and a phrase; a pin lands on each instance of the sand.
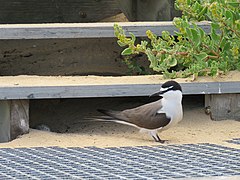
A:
(24, 80)
(196, 127)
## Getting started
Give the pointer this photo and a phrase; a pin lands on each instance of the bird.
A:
(153, 117)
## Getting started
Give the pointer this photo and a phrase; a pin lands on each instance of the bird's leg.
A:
(156, 137)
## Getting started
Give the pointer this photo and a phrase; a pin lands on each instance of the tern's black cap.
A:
(167, 86)
(172, 85)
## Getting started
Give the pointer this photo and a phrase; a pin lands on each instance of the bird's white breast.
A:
(172, 107)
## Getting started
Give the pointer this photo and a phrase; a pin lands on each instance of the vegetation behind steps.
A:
(191, 51)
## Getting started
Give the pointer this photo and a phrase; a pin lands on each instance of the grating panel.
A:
(141, 162)
(234, 141)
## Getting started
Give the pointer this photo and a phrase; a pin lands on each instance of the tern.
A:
(152, 117)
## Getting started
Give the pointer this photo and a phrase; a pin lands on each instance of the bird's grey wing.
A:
(146, 116)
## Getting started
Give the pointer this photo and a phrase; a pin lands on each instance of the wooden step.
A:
(42, 87)
(85, 30)
(16, 91)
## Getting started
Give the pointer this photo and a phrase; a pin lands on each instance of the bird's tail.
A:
(110, 113)
(115, 116)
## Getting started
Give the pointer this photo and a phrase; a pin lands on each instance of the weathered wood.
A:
(155, 10)
(223, 106)
(99, 89)
(66, 56)
(56, 57)
(149, 10)
(35, 11)
(128, 8)
(14, 119)
(86, 30)
(19, 123)
(4, 121)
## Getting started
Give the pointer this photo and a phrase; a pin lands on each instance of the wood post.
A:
(4, 121)
(14, 119)
(223, 106)
(19, 121)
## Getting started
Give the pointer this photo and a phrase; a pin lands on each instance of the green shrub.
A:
(191, 51)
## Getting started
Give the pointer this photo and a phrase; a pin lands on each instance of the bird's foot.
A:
(157, 139)
(161, 141)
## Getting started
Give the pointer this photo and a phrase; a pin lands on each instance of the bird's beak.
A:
(156, 94)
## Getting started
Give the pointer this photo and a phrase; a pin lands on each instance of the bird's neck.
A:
(172, 106)
(173, 97)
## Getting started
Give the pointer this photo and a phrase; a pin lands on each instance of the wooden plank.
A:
(81, 91)
(19, 123)
(85, 30)
(35, 11)
(4, 121)
(223, 106)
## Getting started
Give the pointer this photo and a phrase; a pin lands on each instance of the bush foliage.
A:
(191, 51)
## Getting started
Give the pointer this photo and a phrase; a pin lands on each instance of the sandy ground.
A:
(23, 80)
(196, 127)
(66, 117)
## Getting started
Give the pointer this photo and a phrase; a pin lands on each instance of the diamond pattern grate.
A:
(142, 162)
(234, 141)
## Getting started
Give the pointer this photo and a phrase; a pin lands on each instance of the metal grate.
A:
(234, 141)
(145, 162)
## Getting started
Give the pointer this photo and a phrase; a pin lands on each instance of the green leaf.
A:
(144, 44)
(165, 35)
(202, 33)
(223, 42)
(215, 26)
(189, 33)
(116, 32)
(178, 33)
(234, 4)
(159, 47)
(201, 56)
(172, 62)
(127, 51)
(214, 68)
(196, 37)
(157, 69)
(203, 11)
(215, 37)
(133, 37)
(238, 26)
(196, 6)
(151, 58)
(227, 46)
(176, 6)
(229, 15)
(121, 44)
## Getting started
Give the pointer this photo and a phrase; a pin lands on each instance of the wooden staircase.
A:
(16, 92)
